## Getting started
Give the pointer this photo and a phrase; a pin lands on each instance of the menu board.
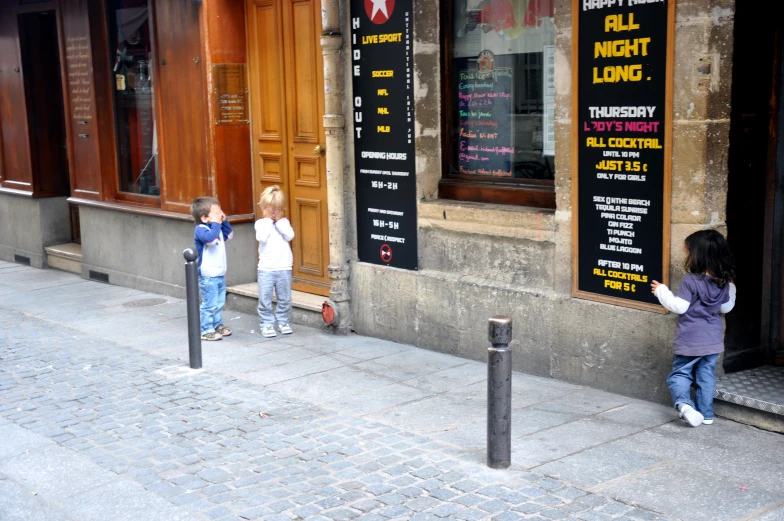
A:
(622, 144)
(381, 63)
(231, 94)
(484, 95)
(77, 59)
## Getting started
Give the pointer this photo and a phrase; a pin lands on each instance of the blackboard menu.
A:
(622, 145)
(381, 64)
(485, 119)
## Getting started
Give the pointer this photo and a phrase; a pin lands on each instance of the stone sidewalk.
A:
(100, 419)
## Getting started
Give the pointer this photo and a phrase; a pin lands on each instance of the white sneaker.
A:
(691, 415)
(285, 329)
(268, 332)
(707, 422)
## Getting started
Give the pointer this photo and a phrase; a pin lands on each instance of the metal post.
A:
(499, 393)
(192, 298)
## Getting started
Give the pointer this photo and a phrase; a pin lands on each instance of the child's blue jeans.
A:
(213, 298)
(280, 281)
(699, 371)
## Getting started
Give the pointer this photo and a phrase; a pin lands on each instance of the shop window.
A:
(499, 101)
(131, 48)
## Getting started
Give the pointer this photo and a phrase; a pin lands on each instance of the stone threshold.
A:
(65, 257)
(299, 299)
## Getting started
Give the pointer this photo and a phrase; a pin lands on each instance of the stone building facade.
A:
(475, 258)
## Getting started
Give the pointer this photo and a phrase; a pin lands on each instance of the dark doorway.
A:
(755, 213)
(40, 50)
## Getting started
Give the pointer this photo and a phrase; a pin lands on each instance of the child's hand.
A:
(267, 213)
(655, 284)
(278, 214)
(215, 215)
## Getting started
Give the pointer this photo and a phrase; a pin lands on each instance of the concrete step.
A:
(65, 257)
(305, 307)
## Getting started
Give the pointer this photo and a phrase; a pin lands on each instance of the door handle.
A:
(318, 150)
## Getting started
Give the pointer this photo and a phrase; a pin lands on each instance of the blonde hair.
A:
(272, 196)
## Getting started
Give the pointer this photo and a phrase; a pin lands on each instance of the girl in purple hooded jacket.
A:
(707, 290)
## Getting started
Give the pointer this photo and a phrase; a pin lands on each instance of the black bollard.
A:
(192, 298)
(499, 393)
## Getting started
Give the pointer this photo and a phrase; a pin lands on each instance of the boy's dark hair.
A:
(710, 253)
(200, 207)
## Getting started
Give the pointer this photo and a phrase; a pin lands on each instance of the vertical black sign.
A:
(381, 64)
(621, 134)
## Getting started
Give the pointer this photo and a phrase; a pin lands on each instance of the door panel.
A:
(287, 102)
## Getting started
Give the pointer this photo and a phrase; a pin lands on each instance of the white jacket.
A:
(274, 250)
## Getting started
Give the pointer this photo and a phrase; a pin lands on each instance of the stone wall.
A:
(145, 252)
(28, 225)
(477, 260)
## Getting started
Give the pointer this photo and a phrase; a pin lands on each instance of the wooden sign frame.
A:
(667, 196)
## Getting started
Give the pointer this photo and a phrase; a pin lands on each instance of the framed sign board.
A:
(384, 155)
(622, 59)
(231, 94)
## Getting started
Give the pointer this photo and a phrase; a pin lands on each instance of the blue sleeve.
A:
(226, 230)
(209, 235)
(686, 290)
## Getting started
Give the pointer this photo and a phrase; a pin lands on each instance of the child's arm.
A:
(228, 233)
(284, 228)
(263, 229)
(208, 236)
(727, 306)
(670, 301)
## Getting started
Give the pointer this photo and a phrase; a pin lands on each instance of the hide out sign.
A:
(621, 139)
(383, 101)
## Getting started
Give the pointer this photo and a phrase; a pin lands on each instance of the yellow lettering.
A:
(383, 92)
(383, 74)
(383, 110)
(382, 128)
(614, 23)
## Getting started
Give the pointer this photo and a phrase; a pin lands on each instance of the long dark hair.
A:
(710, 253)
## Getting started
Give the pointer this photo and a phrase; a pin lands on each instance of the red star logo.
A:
(379, 11)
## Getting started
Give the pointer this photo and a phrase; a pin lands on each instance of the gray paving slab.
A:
(55, 472)
(431, 415)
(123, 501)
(686, 492)
(598, 465)
(17, 440)
(561, 441)
(332, 385)
(446, 380)
(292, 370)
(20, 504)
(725, 448)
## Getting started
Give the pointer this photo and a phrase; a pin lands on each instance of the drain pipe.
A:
(334, 129)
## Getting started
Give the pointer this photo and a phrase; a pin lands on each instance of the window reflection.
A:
(503, 91)
(131, 45)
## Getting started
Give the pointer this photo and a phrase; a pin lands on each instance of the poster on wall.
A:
(622, 72)
(381, 67)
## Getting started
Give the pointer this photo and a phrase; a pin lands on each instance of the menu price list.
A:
(485, 123)
(622, 78)
(381, 42)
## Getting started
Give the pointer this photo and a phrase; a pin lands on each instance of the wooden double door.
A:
(287, 106)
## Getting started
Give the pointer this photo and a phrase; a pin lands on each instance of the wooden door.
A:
(287, 105)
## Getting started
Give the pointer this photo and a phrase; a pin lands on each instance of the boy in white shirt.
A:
(274, 231)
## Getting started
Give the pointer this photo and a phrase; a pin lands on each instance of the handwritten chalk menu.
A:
(485, 120)
(622, 144)
(383, 100)
(77, 59)
(231, 94)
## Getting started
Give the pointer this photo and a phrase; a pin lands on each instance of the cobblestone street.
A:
(100, 420)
